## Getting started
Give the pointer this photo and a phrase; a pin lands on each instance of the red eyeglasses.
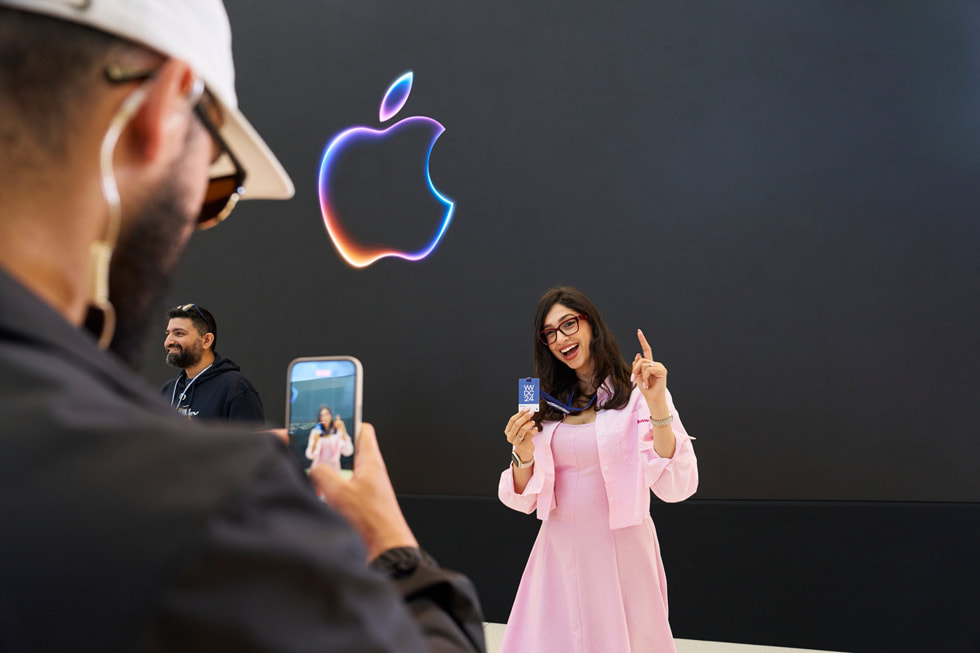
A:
(568, 326)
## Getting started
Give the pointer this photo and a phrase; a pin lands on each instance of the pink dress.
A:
(588, 588)
(327, 450)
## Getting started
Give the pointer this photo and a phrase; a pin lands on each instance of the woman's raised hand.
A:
(338, 424)
(650, 376)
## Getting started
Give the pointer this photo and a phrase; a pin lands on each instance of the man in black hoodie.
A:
(209, 387)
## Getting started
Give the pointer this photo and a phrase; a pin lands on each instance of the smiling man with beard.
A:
(209, 387)
(125, 527)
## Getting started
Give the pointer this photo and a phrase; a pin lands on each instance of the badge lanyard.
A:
(183, 395)
(563, 407)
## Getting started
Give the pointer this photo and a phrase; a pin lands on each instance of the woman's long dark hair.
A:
(330, 428)
(558, 379)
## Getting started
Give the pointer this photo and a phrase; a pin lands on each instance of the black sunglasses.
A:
(186, 309)
(223, 191)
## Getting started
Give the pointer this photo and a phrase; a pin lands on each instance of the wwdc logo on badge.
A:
(361, 227)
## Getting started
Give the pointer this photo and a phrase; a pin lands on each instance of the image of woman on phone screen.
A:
(328, 440)
(606, 432)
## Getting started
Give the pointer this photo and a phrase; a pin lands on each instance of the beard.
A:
(149, 248)
(184, 358)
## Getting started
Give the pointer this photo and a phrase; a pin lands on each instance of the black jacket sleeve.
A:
(442, 602)
(280, 571)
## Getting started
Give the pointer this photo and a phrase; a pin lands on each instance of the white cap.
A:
(196, 32)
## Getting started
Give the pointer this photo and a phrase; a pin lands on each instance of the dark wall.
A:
(866, 577)
(783, 195)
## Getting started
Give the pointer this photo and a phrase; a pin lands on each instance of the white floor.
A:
(495, 632)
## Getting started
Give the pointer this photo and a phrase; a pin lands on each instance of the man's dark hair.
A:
(51, 69)
(200, 317)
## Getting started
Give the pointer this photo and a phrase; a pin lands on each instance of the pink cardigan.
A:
(629, 465)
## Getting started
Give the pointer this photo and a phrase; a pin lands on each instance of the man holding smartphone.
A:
(125, 527)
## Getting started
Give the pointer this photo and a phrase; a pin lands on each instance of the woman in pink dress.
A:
(607, 434)
(328, 441)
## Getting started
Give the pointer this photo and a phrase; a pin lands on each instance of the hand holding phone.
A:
(360, 491)
(367, 499)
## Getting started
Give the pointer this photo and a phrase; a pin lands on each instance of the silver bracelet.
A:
(662, 422)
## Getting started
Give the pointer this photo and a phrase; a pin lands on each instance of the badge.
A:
(528, 394)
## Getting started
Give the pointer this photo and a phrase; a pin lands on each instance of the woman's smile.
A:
(569, 351)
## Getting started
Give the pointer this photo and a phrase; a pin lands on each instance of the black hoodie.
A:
(219, 392)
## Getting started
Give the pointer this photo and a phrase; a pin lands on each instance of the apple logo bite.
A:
(362, 227)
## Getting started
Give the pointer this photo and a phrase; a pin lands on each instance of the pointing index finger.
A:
(644, 345)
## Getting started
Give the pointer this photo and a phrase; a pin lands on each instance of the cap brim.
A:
(265, 178)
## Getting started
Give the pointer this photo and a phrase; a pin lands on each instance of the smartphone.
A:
(323, 409)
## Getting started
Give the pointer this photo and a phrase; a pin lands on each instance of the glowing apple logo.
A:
(345, 147)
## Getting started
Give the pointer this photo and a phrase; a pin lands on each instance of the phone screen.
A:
(323, 409)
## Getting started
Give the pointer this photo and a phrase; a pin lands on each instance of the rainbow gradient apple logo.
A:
(357, 251)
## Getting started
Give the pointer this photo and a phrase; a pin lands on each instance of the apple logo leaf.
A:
(396, 96)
